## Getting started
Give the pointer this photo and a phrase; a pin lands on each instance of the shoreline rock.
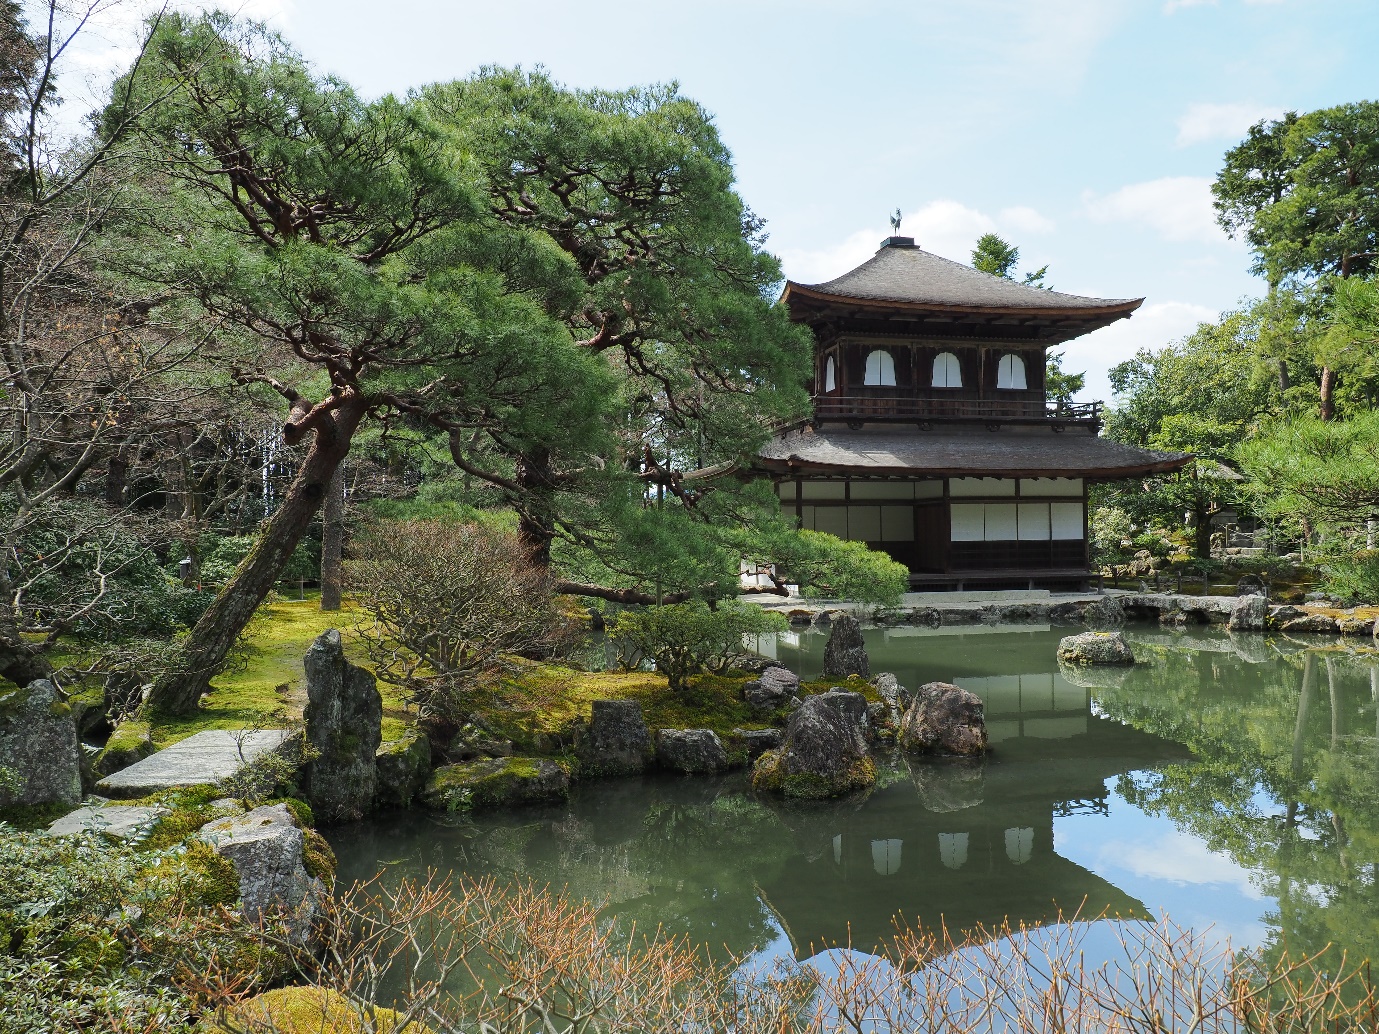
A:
(691, 751)
(944, 719)
(824, 753)
(344, 722)
(38, 743)
(616, 741)
(496, 783)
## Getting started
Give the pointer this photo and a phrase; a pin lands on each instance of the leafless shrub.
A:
(449, 603)
(475, 958)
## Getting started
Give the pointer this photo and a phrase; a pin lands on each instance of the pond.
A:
(1231, 782)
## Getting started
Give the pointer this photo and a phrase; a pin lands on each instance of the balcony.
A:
(948, 407)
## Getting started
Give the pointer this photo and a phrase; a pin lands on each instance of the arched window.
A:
(1011, 373)
(947, 372)
(830, 379)
(880, 369)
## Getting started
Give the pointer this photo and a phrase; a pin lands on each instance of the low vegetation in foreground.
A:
(111, 938)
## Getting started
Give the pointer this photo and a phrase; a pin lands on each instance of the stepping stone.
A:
(207, 757)
(126, 821)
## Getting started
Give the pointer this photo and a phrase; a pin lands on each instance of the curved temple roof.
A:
(888, 452)
(902, 272)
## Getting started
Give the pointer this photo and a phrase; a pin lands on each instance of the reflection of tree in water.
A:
(684, 854)
(1288, 778)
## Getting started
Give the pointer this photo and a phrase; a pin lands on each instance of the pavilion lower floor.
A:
(956, 532)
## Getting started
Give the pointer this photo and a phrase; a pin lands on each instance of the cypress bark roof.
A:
(980, 453)
(906, 275)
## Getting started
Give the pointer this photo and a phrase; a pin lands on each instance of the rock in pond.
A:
(1352, 625)
(496, 783)
(773, 689)
(692, 751)
(616, 741)
(845, 653)
(1249, 613)
(944, 719)
(825, 750)
(1095, 648)
(758, 741)
(38, 742)
(128, 744)
(270, 854)
(1310, 623)
(403, 765)
(344, 722)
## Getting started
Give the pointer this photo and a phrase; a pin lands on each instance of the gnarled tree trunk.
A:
(332, 541)
(215, 634)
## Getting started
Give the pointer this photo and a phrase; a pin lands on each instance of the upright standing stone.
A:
(845, 653)
(1249, 613)
(616, 741)
(344, 722)
(39, 747)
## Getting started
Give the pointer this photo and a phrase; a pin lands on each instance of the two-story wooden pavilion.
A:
(933, 438)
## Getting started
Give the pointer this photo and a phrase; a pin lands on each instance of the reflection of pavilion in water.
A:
(969, 845)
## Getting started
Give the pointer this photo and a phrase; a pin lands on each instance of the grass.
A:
(267, 678)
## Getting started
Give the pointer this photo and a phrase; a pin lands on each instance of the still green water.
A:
(1230, 781)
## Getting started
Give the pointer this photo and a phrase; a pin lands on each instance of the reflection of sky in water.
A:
(1175, 872)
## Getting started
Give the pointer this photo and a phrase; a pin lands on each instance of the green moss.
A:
(215, 879)
(545, 700)
(313, 1010)
(34, 816)
(177, 826)
(487, 783)
(263, 681)
(299, 810)
(317, 857)
(130, 742)
(769, 776)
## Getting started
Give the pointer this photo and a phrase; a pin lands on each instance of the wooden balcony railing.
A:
(922, 406)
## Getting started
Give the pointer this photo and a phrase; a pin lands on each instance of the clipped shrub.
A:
(685, 639)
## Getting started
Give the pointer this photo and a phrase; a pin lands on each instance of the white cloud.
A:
(1151, 326)
(1202, 122)
(1177, 207)
(109, 41)
(1172, 5)
(1180, 859)
(944, 227)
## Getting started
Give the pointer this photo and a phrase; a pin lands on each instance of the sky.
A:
(1087, 132)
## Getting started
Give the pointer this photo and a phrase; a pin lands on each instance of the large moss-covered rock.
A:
(269, 851)
(344, 722)
(130, 742)
(496, 783)
(825, 750)
(1095, 648)
(616, 741)
(38, 747)
(944, 719)
(403, 765)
